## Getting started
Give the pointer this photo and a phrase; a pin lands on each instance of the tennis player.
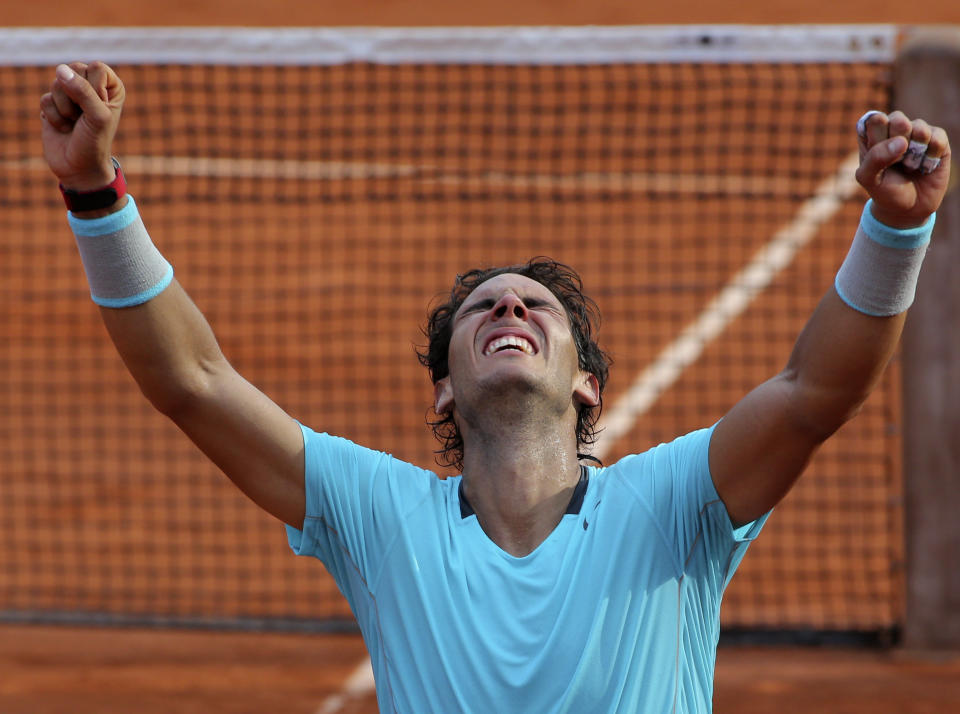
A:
(536, 581)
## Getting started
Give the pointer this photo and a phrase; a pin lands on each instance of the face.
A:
(512, 335)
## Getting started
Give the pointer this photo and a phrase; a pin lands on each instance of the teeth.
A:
(509, 341)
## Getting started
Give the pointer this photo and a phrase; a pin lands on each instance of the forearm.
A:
(163, 339)
(852, 335)
(838, 359)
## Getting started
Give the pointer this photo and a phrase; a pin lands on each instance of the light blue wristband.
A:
(123, 266)
(895, 237)
(879, 275)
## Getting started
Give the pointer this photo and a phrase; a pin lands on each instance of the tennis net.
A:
(315, 189)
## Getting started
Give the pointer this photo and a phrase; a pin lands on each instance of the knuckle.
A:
(54, 118)
(66, 107)
(877, 123)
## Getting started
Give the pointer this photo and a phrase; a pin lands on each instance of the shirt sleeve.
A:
(354, 499)
(675, 484)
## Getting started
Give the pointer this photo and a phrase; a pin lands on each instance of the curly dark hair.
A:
(584, 317)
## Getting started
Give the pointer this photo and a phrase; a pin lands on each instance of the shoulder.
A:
(671, 475)
(322, 449)
(373, 478)
(684, 452)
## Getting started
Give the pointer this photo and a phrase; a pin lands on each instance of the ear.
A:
(587, 390)
(442, 396)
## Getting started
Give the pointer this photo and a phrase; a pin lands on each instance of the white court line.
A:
(634, 182)
(358, 684)
(214, 167)
(729, 303)
(286, 169)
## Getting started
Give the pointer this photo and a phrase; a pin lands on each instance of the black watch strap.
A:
(99, 198)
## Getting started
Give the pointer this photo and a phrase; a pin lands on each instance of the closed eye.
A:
(535, 303)
(541, 304)
(531, 303)
(479, 305)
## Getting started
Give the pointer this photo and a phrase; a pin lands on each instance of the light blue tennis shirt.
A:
(616, 611)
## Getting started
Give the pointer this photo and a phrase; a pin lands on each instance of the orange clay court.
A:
(298, 338)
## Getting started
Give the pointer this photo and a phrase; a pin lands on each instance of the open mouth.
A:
(509, 342)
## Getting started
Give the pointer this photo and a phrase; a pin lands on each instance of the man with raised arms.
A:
(535, 581)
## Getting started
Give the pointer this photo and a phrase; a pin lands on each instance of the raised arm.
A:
(162, 337)
(766, 440)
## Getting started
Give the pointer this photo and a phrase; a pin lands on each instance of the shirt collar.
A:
(576, 500)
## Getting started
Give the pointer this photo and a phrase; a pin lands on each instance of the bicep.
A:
(250, 438)
(759, 449)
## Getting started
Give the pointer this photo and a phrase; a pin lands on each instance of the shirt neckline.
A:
(576, 500)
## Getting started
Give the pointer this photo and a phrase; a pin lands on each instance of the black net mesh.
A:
(314, 212)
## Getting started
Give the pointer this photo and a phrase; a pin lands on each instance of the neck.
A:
(519, 479)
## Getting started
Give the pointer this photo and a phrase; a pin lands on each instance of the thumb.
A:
(894, 149)
(81, 93)
(881, 157)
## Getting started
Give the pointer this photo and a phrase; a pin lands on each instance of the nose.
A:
(509, 304)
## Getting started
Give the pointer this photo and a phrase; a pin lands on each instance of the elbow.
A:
(833, 419)
(821, 410)
(172, 399)
(176, 392)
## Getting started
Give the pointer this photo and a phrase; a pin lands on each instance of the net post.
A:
(927, 84)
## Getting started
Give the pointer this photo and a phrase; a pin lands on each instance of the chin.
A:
(515, 383)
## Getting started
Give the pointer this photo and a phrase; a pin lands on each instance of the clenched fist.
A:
(904, 166)
(80, 114)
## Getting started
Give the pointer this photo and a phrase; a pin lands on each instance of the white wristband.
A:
(879, 275)
(123, 266)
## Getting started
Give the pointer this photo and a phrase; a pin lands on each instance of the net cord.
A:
(451, 45)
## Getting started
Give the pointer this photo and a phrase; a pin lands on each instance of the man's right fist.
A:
(80, 114)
